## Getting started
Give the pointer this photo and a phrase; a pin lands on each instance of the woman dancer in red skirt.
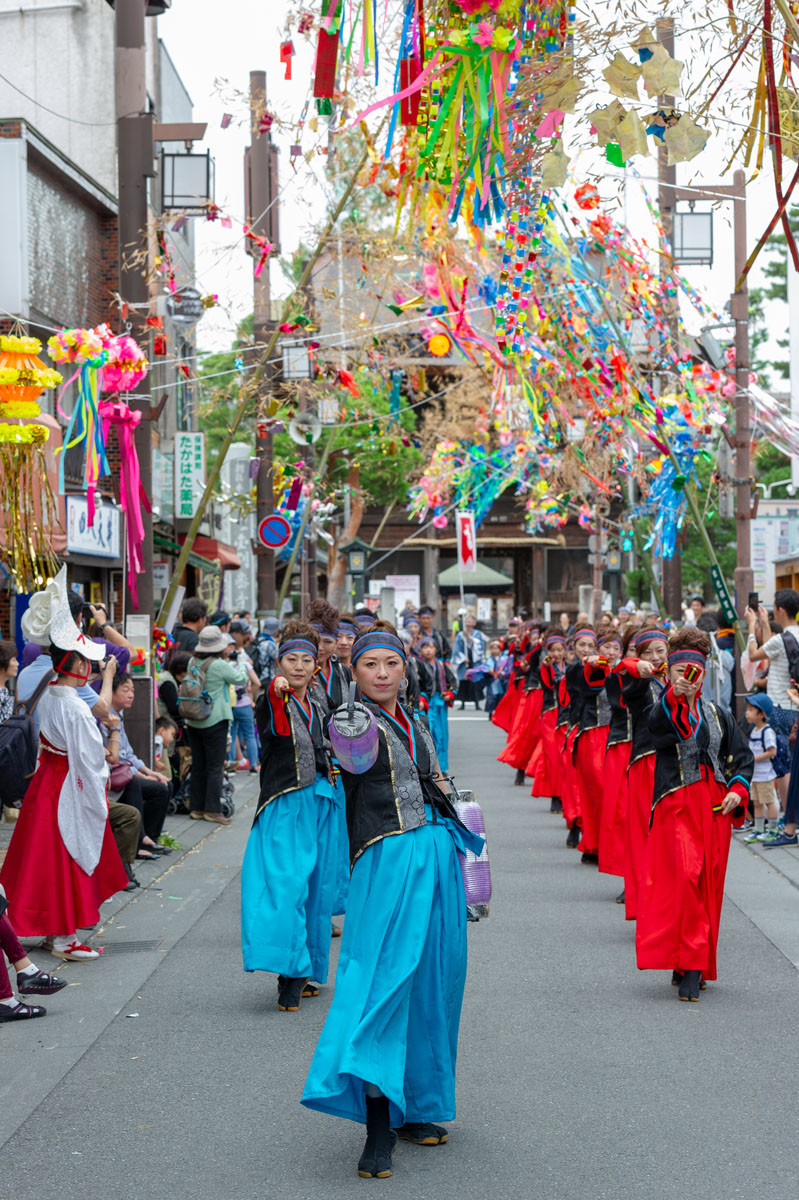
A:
(548, 774)
(515, 645)
(525, 730)
(641, 680)
(703, 769)
(584, 645)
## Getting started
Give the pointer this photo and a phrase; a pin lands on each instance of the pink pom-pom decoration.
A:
(127, 365)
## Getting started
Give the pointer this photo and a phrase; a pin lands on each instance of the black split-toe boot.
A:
(519, 780)
(375, 1162)
(556, 804)
(689, 986)
(573, 840)
(423, 1133)
(620, 900)
(289, 996)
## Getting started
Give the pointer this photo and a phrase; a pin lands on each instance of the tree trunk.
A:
(336, 564)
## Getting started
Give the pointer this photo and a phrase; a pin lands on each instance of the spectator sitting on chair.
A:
(193, 619)
(146, 790)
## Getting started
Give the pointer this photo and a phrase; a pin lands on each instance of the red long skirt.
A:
(614, 809)
(525, 731)
(589, 762)
(48, 893)
(640, 790)
(570, 788)
(682, 882)
(505, 711)
(545, 761)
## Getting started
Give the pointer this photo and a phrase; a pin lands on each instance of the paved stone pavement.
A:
(165, 1071)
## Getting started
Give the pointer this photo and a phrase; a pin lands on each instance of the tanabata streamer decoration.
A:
(88, 351)
(29, 511)
(133, 496)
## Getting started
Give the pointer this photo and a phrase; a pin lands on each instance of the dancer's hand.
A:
(645, 669)
(282, 686)
(731, 802)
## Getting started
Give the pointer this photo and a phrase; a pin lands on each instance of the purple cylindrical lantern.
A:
(475, 868)
(354, 735)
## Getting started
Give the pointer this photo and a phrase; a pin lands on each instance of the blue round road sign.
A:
(274, 532)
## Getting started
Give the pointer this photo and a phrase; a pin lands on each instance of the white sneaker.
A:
(71, 950)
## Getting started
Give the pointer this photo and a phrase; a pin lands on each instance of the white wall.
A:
(14, 293)
(64, 57)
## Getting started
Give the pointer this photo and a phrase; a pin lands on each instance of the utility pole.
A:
(597, 567)
(667, 178)
(134, 165)
(739, 311)
(261, 202)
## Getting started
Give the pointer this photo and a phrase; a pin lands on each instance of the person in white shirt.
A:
(778, 681)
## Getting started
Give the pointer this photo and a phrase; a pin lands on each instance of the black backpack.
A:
(18, 747)
(792, 654)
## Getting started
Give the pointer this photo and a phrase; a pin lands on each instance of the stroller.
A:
(179, 803)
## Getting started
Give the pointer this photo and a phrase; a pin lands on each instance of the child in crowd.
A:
(497, 676)
(437, 683)
(763, 744)
(166, 730)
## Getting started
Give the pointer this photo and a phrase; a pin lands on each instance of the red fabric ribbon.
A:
(133, 495)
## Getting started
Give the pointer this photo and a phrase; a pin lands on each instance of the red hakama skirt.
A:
(525, 731)
(505, 711)
(545, 761)
(682, 881)
(640, 791)
(48, 893)
(570, 787)
(614, 809)
(589, 762)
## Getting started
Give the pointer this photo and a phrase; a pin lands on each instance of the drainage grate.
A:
(129, 947)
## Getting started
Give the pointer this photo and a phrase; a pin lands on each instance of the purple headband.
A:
(687, 656)
(649, 635)
(364, 619)
(555, 640)
(578, 633)
(379, 640)
(609, 637)
(348, 627)
(299, 644)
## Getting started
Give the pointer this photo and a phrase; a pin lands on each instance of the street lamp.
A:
(357, 554)
(692, 238)
(296, 360)
(187, 182)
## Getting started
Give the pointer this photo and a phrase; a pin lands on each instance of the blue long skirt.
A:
(439, 728)
(288, 881)
(343, 856)
(399, 987)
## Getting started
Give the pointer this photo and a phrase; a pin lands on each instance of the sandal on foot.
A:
(423, 1133)
(40, 984)
(21, 1012)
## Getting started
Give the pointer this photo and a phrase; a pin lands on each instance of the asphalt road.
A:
(579, 1077)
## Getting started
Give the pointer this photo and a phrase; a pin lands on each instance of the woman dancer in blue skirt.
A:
(288, 878)
(386, 1055)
